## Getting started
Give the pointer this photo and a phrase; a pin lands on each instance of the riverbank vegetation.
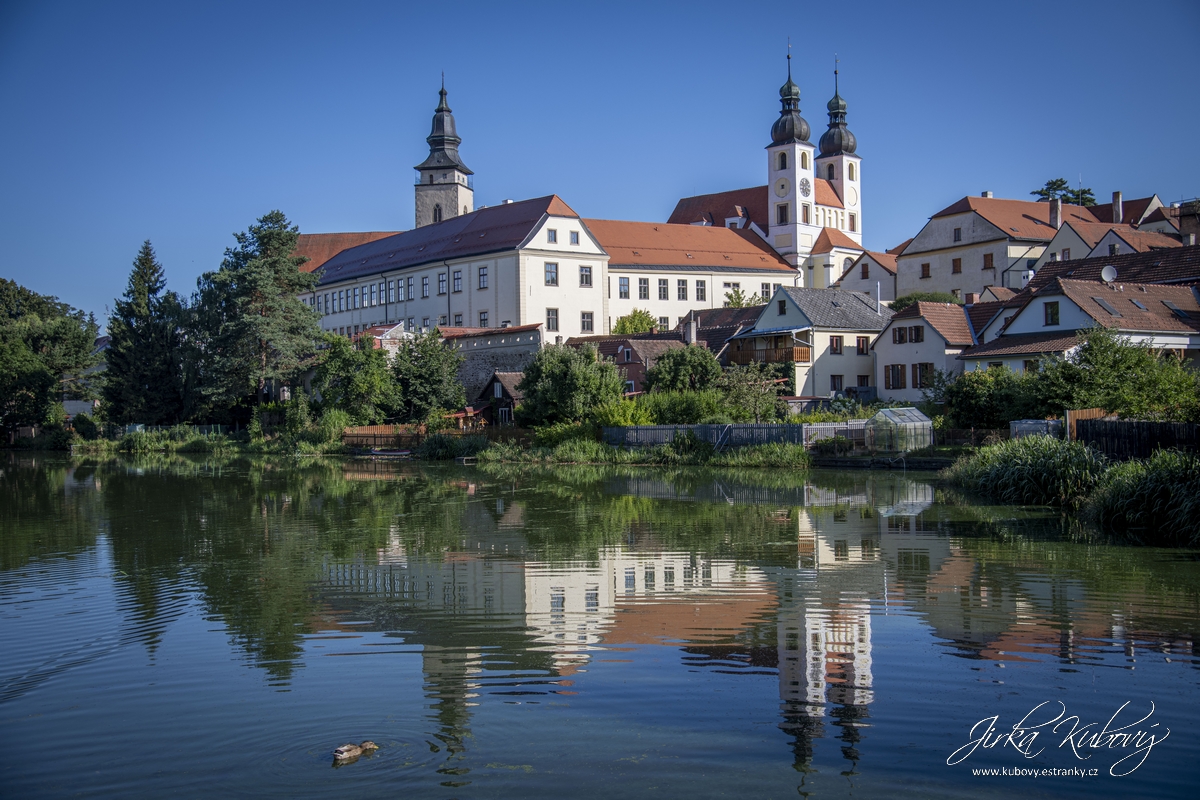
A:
(1152, 501)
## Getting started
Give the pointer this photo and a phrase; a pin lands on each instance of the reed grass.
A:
(1034, 470)
(1156, 501)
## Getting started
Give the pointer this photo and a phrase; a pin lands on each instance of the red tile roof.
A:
(1022, 344)
(1018, 219)
(830, 238)
(660, 244)
(714, 209)
(1164, 213)
(1092, 232)
(1145, 241)
(948, 319)
(980, 314)
(320, 247)
(898, 249)
(1177, 265)
(825, 194)
(1132, 211)
(1151, 315)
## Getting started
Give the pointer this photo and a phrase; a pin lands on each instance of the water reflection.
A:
(513, 584)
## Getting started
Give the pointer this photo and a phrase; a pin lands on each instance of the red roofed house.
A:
(917, 341)
(810, 210)
(873, 274)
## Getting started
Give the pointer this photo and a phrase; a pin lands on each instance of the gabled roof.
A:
(980, 314)
(1092, 232)
(714, 209)
(1134, 307)
(1022, 344)
(1132, 211)
(1176, 265)
(825, 194)
(649, 350)
(839, 309)
(1165, 213)
(898, 249)
(486, 230)
(948, 319)
(999, 292)
(466, 333)
(320, 247)
(885, 260)
(1017, 219)
(1144, 241)
(661, 244)
(830, 238)
(509, 381)
(707, 318)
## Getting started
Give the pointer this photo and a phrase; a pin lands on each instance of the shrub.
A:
(618, 413)
(834, 445)
(333, 424)
(440, 447)
(1156, 501)
(1032, 470)
(681, 408)
(86, 427)
(296, 416)
(143, 442)
(554, 435)
(584, 451)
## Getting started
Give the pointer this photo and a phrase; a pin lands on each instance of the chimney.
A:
(1056, 213)
(691, 332)
(986, 194)
(971, 298)
(1189, 240)
(1118, 209)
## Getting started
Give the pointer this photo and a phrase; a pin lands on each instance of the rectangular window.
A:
(412, 289)
(781, 214)
(551, 274)
(443, 319)
(863, 346)
(483, 319)
(339, 300)
(1066, 254)
(664, 323)
(356, 297)
(585, 322)
(441, 283)
(574, 237)
(807, 210)
(623, 288)
(958, 234)
(782, 307)
(382, 293)
(320, 304)
(853, 223)
(391, 291)
(988, 263)
(424, 322)
(681, 289)
(835, 383)
(957, 293)
(864, 380)
(483, 277)
(1114, 249)
(374, 298)
(924, 270)
(664, 292)
(701, 291)
(899, 335)
(424, 286)
(458, 320)
(956, 265)
(552, 319)
(1051, 312)
(835, 345)
(585, 277)
(1054, 256)
(643, 288)
(916, 333)
(894, 377)
(866, 270)
(551, 236)
(765, 291)
(457, 278)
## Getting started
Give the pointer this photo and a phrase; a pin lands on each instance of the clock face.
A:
(782, 187)
(805, 187)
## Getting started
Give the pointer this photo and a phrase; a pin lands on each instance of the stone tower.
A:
(444, 188)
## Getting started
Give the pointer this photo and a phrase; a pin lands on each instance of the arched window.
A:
(829, 171)
(852, 171)
(465, 210)
(846, 264)
(437, 213)
(804, 161)
(782, 161)
(431, 177)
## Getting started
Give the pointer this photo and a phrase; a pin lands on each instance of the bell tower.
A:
(444, 188)
(840, 164)
(790, 162)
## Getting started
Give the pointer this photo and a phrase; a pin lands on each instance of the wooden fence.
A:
(1076, 414)
(1127, 438)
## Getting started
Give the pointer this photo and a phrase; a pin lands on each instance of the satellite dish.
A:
(1108, 274)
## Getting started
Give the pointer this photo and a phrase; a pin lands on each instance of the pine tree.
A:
(144, 379)
(256, 330)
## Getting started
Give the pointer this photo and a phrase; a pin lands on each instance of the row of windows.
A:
(395, 291)
(781, 162)
(837, 382)
(552, 236)
(956, 265)
(664, 289)
(587, 321)
(895, 376)
(585, 275)
(783, 216)
(903, 335)
(411, 323)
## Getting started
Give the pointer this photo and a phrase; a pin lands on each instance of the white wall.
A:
(854, 282)
(933, 350)
(1032, 317)
(979, 236)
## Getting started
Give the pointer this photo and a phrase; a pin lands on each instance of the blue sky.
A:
(184, 122)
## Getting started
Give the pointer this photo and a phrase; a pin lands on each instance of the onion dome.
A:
(790, 127)
(443, 140)
(838, 140)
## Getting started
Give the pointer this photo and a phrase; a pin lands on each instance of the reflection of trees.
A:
(34, 519)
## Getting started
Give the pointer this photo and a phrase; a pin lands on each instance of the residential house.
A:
(633, 354)
(918, 341)
(1123, 239)
(873, 274)
(824, 334)
(499, 397)
(1163, 317)
(489, 350)
(714, 327)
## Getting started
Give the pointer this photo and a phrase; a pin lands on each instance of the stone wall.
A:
(485, 355)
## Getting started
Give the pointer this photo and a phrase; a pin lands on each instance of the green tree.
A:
(1081, 197)
(564, 384)
(144, 381)
(736, 298)
(911, 299)
(990, 398)
(751, 391)
(358, 381)
(256, 331)
(1060, 189)
(690, 368)
(636, 321)
(426, 373)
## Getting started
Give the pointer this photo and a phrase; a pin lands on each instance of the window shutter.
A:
(887, 377)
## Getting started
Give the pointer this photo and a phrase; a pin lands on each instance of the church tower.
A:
(839, 164)
(790, 161)
(444, 188)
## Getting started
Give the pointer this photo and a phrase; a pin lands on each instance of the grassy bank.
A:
(687, 453)
(185, 440)
(1155, 501)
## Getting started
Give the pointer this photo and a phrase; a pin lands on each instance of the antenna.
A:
(1108, 274)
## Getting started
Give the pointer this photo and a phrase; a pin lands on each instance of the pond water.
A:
(201, 627)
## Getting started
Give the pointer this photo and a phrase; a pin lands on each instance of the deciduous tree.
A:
(636, 321)
(690, 368)
(358, 381)
(426, 373)
(564, 384)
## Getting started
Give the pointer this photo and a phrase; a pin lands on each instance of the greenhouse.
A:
(898, 430)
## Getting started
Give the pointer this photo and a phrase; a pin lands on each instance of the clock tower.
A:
(839, 164)
(790, 176)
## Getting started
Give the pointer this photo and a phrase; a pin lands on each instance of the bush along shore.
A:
(1155, 501)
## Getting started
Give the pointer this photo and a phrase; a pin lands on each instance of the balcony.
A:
(799, 354)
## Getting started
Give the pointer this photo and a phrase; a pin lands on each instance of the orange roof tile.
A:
(1018, 219)
(462, 333)
(1145, 241)
(660, 244)
(825, 194)
(948, 319)
(714, 209)
(320, 247)
(980, 314)
(1138, 307)
(830, 238)
(898, 249)
(1022, 344)
(1132, 211)
(1092, 232)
